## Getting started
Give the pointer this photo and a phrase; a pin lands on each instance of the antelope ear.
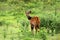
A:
(30, 11)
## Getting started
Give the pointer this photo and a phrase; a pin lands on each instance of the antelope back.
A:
(35, 21)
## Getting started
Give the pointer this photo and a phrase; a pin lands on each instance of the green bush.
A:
(3, 0)
(57, 28)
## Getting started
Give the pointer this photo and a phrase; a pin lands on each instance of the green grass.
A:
(13, 33)
(15, 25)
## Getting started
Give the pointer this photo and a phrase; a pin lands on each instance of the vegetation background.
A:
(14, 24)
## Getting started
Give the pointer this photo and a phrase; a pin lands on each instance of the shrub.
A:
(3, 0)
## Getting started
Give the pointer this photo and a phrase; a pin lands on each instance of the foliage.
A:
(14, 21)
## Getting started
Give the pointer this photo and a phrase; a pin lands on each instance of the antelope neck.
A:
(29, 17)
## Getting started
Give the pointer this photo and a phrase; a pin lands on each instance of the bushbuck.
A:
(34, 21)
